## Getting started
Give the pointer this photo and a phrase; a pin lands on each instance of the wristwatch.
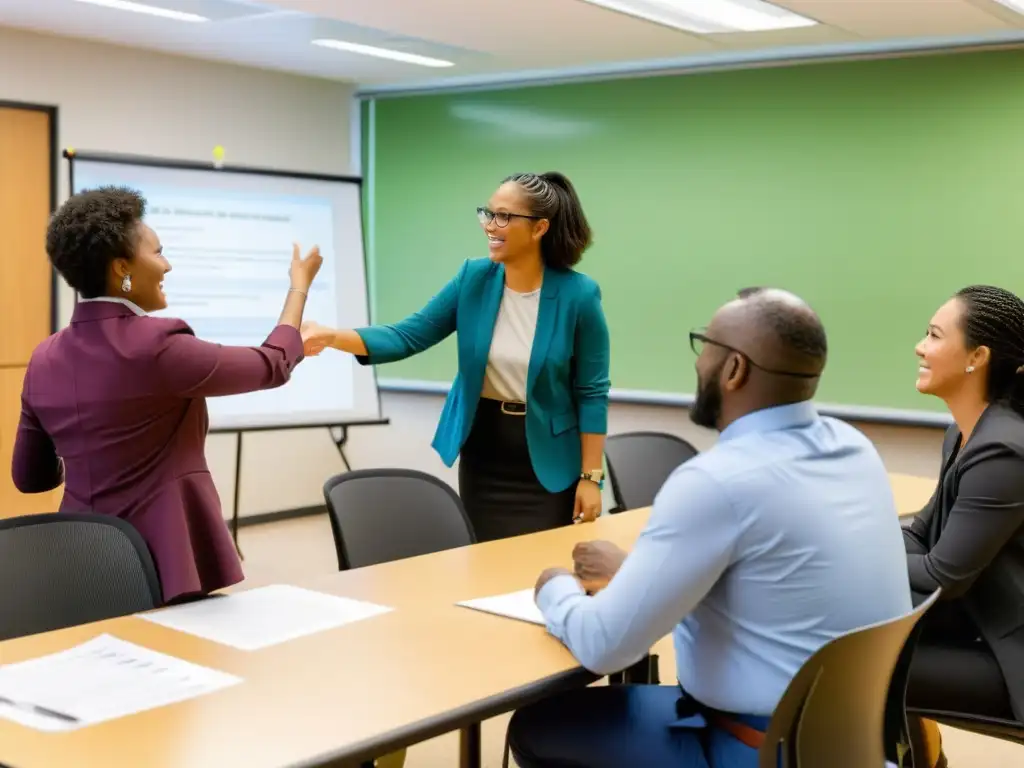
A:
(594, 476)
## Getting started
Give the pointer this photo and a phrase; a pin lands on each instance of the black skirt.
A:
(499, 489)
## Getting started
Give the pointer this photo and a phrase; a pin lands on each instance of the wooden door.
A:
(26, 154)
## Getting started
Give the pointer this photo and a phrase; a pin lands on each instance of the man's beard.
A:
(706, 410)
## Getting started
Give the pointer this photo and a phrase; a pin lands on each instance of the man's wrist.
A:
(557, 586)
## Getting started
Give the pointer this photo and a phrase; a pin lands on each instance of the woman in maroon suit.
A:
(114, 404)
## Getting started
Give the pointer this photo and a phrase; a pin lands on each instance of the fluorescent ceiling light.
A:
(383, 53)
(710, 16)
(152, 10)
(1013, 5)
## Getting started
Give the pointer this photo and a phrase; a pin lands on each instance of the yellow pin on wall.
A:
(218, 156)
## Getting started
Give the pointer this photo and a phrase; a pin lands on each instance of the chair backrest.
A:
(64, 569)
(835, 712)
(898, 731)
(639, 463)
(379, 515)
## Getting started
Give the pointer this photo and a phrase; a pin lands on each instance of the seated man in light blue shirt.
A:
(757, 552)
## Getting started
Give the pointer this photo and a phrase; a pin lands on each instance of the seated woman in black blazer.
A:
(969, 539)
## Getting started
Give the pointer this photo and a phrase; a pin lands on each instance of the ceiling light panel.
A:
(710, 16)
(145, 8)
(382, 53)
(1013, 5)
(190, 10)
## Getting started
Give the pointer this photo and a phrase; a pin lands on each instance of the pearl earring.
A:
(126, 284)
(970, 369)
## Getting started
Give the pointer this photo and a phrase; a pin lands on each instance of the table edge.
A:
(451, 720)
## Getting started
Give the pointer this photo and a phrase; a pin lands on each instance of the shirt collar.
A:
(778, 417)
(117, 300)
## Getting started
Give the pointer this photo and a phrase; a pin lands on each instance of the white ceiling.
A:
(489, 38)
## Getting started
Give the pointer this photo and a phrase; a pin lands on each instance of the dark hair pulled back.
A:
(994, 318)
(552, 196)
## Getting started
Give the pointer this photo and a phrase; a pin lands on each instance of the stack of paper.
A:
(102, 679)
(263, 617)
(515, 605)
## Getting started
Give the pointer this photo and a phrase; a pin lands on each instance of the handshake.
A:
(315, 338)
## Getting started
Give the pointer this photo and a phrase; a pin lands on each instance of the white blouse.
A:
(511, 344)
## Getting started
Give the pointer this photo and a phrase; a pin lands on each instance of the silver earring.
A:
(970, 369)
(126, 284)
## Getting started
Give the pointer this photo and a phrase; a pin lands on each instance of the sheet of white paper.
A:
(102, 679)
(515, 605)
(263, 617)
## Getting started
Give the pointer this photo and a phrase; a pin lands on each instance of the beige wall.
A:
(121, 100)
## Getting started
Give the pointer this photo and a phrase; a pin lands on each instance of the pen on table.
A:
(45, 711)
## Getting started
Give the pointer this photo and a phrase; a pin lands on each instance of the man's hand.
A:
(595, 562)
(547, 576)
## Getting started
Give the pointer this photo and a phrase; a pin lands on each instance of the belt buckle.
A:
(505, 408)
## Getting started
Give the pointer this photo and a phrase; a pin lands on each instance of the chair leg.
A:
(644, 672)
(394, 760)
(469, 746)
(925, 743)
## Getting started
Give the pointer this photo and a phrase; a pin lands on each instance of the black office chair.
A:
(639, 463)
(380, 515)
(846, 702)
(62, 570)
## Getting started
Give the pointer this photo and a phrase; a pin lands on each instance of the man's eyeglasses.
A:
(699, 339)
(501, 218)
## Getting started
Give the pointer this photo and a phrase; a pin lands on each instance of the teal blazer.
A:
(567, 381)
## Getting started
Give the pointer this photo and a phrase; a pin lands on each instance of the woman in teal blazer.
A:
(528, 411)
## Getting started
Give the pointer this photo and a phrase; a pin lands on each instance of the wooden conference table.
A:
(350, 694)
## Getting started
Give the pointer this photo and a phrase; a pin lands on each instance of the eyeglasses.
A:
(698, 340)
(501, 218)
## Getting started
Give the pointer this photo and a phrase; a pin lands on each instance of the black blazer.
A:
(969, 539)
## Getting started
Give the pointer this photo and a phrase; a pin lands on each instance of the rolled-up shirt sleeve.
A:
(686, 546)
(988, 511)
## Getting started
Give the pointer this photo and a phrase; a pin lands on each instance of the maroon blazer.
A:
(120, 398)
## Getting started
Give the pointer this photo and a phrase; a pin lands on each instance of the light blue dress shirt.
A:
(758, 551)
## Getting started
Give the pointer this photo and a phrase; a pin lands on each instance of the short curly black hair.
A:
(89, 231)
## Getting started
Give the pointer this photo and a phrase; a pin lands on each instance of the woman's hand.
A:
(303, 270)
(315, 338)
(588, 502)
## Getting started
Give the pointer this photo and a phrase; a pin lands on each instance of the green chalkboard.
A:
(873, 189)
